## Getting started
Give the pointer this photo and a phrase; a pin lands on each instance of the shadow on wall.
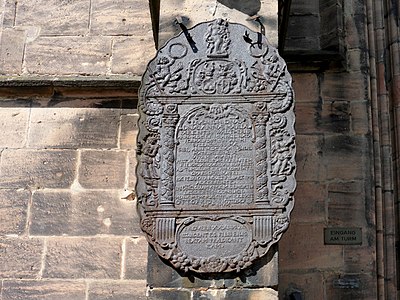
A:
(250, 7)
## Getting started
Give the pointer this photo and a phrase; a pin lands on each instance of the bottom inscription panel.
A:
(223, 238)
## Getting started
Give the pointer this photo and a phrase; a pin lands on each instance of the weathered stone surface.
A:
(82, 213)
(164, 294)
(58, 17)
(340, 86)
(335, 117)
(44, 290)
(308, 116)
(303, 32)
(360, 259)
(261, 294)
(37, 168)
(306, 87)
(308, 251)
(8, 13)
(129, 130)
(136, 258)
(360, 117)
(12, 51)
(20, 257)
(310, 163)
(131, 54)
(306, 7)
(352, 286)
(74, 128)
(310, 284)
(347, 157)
(13, 211)
(310, 206)
(13, 136)
(346, 205)
(132, 169)
(102, 169)
(206, 114)
(118, 290)
(68, 55)
(120, 17)
(83, 258)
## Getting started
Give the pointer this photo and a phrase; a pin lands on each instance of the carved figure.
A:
(164, 75)
(150, 167)
(217, 37)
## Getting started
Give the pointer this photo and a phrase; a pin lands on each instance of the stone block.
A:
(308, 117)
(302, 43)
(166, 294)
(300, 26)
(352, 287)
(344, 86)
(305, 7)
(360, 117)
(8, 13)
(129, 130)
(260, 294)
(131, 54)
(306, 87)
(132, 169)
(310, 164)
(82, 213)
(13, 136)
(83, 55)
(136, 258)
(102, 169)
(361, 259)
(58, 17)
(13, 211)
(310, 285)
(121, 290)
(308, 252)
(12, 51)
(346, 157)
(75, 258)
(74, 128)
(50, 213)
(20, 257)
(310, 202)
(120, 17)
(335, 117)
(346, 204)
(43, 290)
(37, 168)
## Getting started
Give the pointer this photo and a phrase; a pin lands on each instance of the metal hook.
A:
(179, 21)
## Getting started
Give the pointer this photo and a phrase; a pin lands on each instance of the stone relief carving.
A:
(216, 149)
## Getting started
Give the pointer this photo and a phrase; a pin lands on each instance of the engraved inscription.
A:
(225, 238)
(214, 165)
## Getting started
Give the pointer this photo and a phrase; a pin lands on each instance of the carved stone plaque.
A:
(215, 175)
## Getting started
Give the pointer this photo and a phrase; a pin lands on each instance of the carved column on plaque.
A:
(169, 120)
(263, 228)
(165, 230)
(260, 124)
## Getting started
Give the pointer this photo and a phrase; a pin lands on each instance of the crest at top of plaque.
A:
(215, 174)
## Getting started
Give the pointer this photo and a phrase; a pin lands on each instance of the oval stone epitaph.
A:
(206, 238)
(215, 148)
